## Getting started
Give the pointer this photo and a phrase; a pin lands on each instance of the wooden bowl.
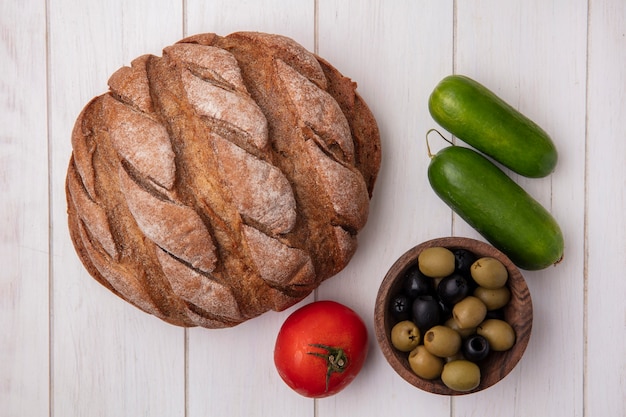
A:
(518, 313)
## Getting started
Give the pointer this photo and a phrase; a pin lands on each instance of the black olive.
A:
(401, 307)
(453, 289)
(475, 348)
(495, 314)
(445, 310)
(416, 283)
(426, 312)
(463, 260)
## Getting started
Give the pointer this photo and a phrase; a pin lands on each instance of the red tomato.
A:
(320, 348)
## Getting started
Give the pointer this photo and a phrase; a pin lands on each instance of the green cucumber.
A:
(497, 207)
(481, 119)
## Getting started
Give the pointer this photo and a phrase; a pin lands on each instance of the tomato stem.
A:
(335, 357)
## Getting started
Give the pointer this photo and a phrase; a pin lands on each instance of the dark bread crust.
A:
(226, 178)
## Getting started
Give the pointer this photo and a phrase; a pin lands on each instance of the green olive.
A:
(469, 312)
(461, 375)
(493, 298)
(442, 341)
(456, 357)
(451, 323)
(425, 364)
(489, 273)
(498, 333)
(436, 281)
(436, 262)
(405, 336)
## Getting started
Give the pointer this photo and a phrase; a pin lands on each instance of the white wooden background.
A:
(68, 347)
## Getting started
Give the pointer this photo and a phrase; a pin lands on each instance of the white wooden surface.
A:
(68, 347)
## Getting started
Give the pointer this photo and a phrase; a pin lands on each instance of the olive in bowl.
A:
(488, 364)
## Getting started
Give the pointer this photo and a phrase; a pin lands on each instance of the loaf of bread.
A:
(226, 178)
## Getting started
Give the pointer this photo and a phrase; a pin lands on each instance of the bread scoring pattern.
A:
(226, 178)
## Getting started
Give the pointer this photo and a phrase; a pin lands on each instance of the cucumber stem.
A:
(430, 155)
